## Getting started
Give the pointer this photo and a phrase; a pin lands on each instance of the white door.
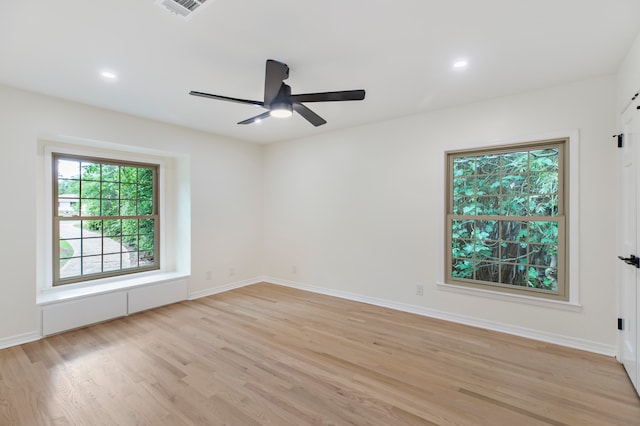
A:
(629, 274)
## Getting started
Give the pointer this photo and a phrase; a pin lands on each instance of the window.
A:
(506, 219)
(105, 218)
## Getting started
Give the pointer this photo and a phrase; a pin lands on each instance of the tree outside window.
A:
(105, 218)
(506, 219)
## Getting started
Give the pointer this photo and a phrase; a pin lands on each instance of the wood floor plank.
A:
(271, 355)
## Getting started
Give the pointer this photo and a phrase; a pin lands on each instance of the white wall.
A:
(361, 211)
(225, 194)
(629, 76)
(357, 211)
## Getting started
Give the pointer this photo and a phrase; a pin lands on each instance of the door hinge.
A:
(631, 260)
(620, 324)
(620, 137)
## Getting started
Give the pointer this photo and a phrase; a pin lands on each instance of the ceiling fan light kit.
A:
(278, 100)
(281, 110)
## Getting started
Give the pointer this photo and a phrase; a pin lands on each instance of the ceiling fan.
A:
(279, 101)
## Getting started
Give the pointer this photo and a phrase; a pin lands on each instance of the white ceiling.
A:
(401, 52)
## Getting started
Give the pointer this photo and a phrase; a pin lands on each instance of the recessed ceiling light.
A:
(460, 64)
(108, 75)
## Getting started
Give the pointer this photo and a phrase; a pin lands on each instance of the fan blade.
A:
(346, 95)
(275, 73)
(226, 98)
(310, 116)
(256, 118)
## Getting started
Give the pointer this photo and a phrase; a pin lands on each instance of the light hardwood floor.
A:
(269, 355)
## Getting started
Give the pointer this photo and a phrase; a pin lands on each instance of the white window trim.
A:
(573, 304)
(170, 268)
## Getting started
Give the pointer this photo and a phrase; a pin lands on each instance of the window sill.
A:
(79, 290)
(528, 300)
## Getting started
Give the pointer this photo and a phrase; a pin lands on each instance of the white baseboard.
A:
(19, 339)
(38, 334)
(586, 345)
(225, 287)
(558, 339)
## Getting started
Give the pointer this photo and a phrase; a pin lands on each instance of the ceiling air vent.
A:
(183, 8)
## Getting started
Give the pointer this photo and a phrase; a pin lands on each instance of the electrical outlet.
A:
(232, 271)
(294, 269)
(209, 275)
(419, 290)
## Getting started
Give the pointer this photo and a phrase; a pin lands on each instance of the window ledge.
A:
(529, 300)
(79, 290)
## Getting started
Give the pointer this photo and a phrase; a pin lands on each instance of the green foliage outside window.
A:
(113, 190)
(504, 222)
(113, 205)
